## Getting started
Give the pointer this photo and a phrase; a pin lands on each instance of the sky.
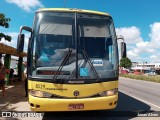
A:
(137, 20)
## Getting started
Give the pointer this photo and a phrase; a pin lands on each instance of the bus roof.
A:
(73, 10)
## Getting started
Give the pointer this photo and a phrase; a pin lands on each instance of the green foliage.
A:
(142, 77)
(6, 37)
(125, 62)
(4, 22)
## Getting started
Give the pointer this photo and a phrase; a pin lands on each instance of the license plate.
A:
(76, 106)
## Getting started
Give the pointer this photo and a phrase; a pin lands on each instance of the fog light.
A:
(32, 104)
(110, 103)
(37, 106)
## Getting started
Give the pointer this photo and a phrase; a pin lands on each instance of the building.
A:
(145, 67)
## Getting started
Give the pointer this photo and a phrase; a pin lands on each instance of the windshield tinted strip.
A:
(73, 81)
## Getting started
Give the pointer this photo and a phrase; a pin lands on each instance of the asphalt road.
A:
(146, 92)
(134, 96)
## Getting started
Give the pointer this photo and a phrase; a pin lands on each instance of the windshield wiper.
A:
(91, 65)
(62, 64)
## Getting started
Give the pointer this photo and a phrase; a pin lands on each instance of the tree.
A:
(4, 22)
(125, 62)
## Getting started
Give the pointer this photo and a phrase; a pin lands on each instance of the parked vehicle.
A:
(124, 72)
(152, 73)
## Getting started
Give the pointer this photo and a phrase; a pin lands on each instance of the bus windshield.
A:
(55, 48)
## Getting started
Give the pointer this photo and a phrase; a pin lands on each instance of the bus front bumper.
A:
(50, 104)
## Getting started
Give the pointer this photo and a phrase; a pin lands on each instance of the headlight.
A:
(109, 92)
(42, 94)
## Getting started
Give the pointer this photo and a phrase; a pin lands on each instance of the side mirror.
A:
(123, 50)
(123, 46)
(29, 53)
(120, 37)
(20, 43)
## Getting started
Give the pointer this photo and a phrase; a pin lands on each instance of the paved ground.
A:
(145, 91)
(15, 100)
(15, 95)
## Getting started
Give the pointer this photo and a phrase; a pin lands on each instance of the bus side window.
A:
(108, 47)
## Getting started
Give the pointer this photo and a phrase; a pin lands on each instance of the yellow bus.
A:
(72, 62)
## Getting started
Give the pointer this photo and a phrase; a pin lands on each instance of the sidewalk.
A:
(14, 98)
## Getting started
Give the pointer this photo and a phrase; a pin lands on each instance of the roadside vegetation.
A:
(4, 22)
(125, 62)
(155, 78)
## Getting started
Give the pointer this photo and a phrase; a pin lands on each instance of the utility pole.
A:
(64, 2)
